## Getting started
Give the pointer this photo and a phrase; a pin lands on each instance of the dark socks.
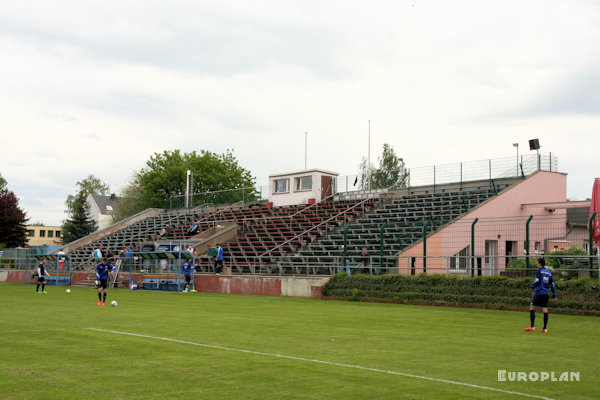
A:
(532, 317)
(43, 287)
(104, 299)
(37, 289)
(545, 320)
(99, 296)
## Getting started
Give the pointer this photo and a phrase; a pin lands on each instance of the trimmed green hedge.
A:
(577, 296)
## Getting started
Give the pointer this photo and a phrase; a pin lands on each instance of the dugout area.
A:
(58, 266)
(160, 270)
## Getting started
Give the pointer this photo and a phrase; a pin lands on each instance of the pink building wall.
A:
(502, 219)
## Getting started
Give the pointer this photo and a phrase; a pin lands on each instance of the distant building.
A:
(40, 235)
(101, 209)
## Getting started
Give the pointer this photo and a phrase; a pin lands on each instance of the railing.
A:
(461, 172)
(489, 169)
(244, 195)
(313, 228)
(565, 267)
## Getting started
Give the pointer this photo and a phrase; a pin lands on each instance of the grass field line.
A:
(260, 353)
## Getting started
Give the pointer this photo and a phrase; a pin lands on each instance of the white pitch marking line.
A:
(323, 362)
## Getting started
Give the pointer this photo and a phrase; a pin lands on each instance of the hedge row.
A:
(580, 296)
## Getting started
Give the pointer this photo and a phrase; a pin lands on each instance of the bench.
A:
(163, 282)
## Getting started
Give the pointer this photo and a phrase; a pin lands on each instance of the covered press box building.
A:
(301, 187)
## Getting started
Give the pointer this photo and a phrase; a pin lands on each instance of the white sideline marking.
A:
(260, 353)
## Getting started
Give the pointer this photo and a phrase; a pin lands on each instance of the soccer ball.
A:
(113, 303)
(68, 291)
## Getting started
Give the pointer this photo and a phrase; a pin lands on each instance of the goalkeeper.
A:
(541, 290)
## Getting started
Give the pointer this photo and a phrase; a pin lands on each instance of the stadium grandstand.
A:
(313, 218)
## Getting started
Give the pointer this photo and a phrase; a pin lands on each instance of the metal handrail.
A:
(314, 227)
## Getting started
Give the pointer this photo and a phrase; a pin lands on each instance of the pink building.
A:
(499, 228)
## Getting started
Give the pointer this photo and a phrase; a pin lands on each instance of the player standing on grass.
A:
(102, 271)
(187, 273)
(42, 273)
(541, 285)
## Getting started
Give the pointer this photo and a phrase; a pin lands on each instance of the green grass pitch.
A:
(168, 345)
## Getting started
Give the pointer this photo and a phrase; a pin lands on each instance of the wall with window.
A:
(39, 235)
(298, 187)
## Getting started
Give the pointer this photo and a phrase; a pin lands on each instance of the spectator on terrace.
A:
(97, 254)
(366, 260)
(219, 260)
(166, 231)
(126, 252)
(193, 230)
(345, 262)
(61, 259)
(190, 249)
(211, 253)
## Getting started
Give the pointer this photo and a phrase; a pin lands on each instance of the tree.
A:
(13, 232)
(391, 171)
(165, 175)
(79, 224)
(89, 185)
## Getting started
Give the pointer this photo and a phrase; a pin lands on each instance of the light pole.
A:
(517, 146)
(305, 149)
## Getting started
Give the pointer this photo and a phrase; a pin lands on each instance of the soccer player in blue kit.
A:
(102, 271)
(187, 273)
(541, 285)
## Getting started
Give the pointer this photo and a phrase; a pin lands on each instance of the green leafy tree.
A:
(391, 172)
(89, 185)
(13, 232)
(79, 223)
(165, 175)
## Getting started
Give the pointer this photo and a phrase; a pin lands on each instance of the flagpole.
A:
(369, 160)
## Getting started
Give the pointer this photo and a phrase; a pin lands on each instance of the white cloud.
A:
(97, 87)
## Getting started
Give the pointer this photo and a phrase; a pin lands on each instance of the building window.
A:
(57, 234)
(50, 234)
(42, 233)
(460, 259)
(303, 183)
(282, 185)
(31, 233)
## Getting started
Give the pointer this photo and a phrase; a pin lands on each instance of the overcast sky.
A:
(97, 87)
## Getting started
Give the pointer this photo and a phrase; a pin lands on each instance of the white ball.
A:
(113, 303)
(68, 291)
